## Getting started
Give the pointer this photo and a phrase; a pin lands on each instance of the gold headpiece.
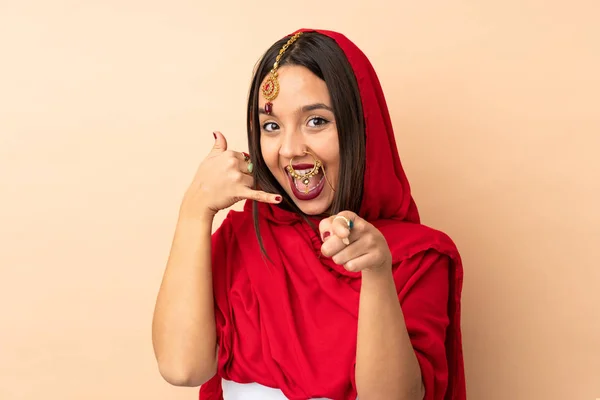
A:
(270, 88)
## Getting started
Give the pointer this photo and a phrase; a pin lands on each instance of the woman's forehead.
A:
(299, 87)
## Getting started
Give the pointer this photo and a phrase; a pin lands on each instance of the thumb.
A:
(220, 142)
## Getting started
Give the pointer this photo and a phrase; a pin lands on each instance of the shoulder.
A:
(409, 240)
(226, 237)
(424, 259)
(233, 221)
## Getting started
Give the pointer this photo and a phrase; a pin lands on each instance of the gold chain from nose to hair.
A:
(270, 88)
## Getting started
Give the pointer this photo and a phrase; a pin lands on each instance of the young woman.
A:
(326, 285)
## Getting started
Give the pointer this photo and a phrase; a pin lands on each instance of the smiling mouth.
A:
(306, 180)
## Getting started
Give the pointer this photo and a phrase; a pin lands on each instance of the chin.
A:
(320, 205)
(313, 207)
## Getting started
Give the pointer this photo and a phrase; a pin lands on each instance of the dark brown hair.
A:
(324, 58)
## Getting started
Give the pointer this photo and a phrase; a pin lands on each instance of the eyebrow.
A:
(316, 106)
(304, 109)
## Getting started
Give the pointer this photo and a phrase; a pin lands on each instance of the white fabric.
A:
(252, 391)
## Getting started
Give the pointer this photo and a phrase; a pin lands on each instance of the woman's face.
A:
(301, 120)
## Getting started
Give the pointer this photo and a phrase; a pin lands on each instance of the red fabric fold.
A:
(291, 324)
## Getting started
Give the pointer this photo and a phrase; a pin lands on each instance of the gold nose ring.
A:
(305, 178)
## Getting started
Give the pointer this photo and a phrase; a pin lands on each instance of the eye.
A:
(270, 126)
(315, 122)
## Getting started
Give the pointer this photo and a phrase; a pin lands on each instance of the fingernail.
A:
(326, 235)
(277, 198)
(215, 135)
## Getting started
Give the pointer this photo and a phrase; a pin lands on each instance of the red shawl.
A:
(292, 324)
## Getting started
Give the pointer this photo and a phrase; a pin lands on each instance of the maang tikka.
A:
(270, 88)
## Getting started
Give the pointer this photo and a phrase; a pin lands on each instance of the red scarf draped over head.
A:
(292, 324)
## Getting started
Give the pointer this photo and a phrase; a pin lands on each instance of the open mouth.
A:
(306, 181)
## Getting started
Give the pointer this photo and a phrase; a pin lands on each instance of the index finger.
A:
(263, 197)
(343, 223)
(339, 225)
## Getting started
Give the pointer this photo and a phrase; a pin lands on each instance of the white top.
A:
(252, 391)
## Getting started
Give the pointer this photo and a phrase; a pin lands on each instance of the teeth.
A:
(301, 189)
(303, 171)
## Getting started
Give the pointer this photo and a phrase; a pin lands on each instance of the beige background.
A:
(107, 107)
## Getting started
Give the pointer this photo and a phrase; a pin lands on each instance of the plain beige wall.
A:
(107, 107)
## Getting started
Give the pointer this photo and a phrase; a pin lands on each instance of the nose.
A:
(292, 145)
